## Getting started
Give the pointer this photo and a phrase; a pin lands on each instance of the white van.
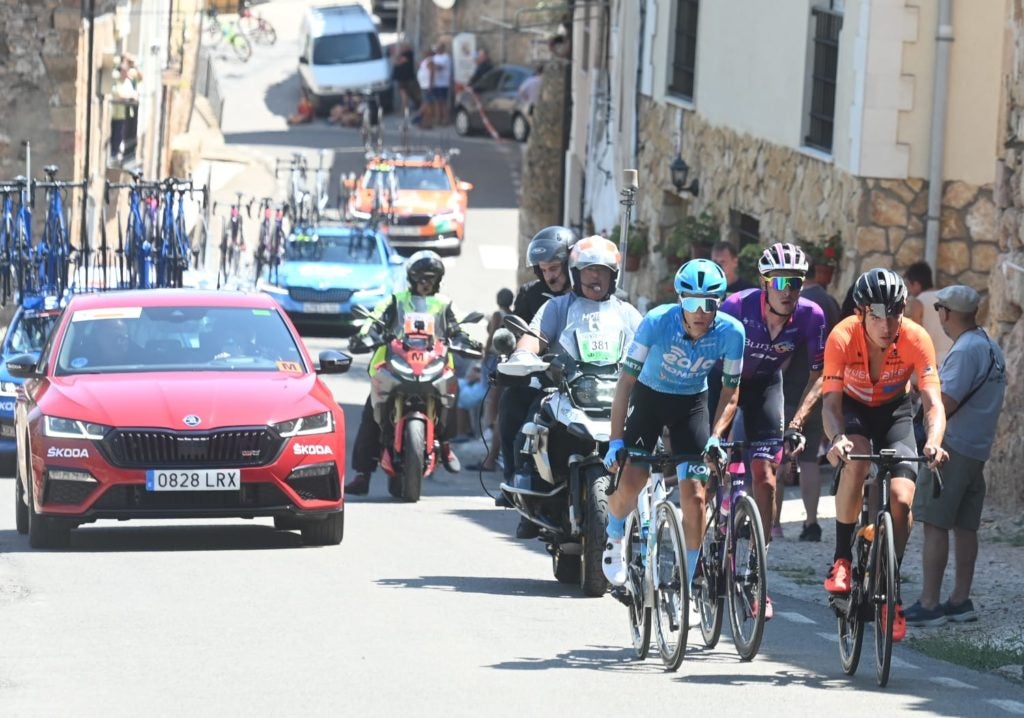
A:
(339, 52)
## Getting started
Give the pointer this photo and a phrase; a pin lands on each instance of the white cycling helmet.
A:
(590, 251)
(784, 257)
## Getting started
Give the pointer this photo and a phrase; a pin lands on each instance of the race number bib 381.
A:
(598, 347)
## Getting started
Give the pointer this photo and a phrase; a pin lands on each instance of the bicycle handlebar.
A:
(888, 460)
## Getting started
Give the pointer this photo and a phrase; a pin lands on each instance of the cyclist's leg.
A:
(762, 416)
(898, 424)
(643, 427)
(857, 422)
(688, 433)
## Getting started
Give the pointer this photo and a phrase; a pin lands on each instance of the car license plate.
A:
(404, 231)
(321, 308)
(193, 479)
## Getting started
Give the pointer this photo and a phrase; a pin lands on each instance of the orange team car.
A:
(420, 201)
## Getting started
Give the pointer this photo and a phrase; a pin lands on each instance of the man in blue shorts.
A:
(664, 384)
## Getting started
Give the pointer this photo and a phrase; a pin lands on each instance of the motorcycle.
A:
(413, 390)
(567, 439)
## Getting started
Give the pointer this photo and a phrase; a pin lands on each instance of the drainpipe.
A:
(943, 40)
(89, 9)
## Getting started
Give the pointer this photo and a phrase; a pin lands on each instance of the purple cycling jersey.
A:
(764, 356)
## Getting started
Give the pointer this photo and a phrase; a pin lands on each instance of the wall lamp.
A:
(680, 173)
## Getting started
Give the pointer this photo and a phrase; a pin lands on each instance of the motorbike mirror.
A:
(556, 369)
(518, 327)
(472, 318)
(503, 341)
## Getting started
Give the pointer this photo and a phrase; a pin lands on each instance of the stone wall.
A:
(503, 44)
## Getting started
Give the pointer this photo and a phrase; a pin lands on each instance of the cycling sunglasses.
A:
(699, 304)
(781, 284)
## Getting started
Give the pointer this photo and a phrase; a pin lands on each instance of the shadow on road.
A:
(490, 585)
(107, 539)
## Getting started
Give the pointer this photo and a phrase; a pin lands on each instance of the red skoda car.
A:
(177, 404)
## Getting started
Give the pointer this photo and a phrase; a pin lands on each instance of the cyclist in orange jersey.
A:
(869, 359)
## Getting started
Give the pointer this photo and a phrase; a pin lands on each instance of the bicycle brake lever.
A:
(936, 483)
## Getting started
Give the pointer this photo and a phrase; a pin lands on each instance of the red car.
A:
(177, 404)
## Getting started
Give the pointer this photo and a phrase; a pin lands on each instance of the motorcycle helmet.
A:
(590, 251)
(701, 277)
(882, 290)
(782, 256)
(425, 263)
(551, 244)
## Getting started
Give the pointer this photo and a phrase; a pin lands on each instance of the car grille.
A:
(308, 294)
(250, 496)
(67, 492)
(155, 449)
(410, 220)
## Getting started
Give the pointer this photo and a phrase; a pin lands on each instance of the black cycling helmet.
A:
(882, 290)
(551, 244)
(425, 263)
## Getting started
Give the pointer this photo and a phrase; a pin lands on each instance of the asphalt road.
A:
(424, 609)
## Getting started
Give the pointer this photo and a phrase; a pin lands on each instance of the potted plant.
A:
(694, 236)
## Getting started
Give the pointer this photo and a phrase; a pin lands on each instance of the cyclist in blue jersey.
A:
(664, 384)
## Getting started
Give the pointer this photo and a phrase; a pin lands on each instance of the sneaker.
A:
(918, 615)
(899, 622)
(450, 460)
(694, 614)
(961, 612)
(527, 529)
(811, 532)
(359, 486)
(777, 531)
(501, 501)
(838, 580)
(614, 564)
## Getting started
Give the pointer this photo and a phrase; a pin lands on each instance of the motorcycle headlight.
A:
(58, 428)
(590, 391)
(322, 423)
(8, 388)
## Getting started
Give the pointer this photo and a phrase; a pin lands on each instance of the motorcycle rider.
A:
(594, 264)
(548, 256)
(424, 270)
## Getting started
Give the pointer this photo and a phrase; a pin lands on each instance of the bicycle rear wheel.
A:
(671, 586)
(747, 578)
(639, 612)
(851, 623)
(707, 581)
(884, 596)
(241, 46)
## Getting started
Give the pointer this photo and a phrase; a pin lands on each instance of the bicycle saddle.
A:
(51, 170)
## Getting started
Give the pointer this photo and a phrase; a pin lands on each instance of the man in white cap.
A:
(973, 381)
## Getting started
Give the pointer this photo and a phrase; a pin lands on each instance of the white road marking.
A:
(951, 682)
(498, 256)
(794, 617)
(900, 663)
(1009, 706)
(829, 636)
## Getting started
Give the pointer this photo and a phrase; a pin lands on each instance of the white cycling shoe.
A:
(613, 562)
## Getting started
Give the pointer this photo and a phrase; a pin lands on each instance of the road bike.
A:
(321, 180)
(134, 249)
(300, 203)
(218, 30)
(9, 249)
(731, 564)
(54, 252)
(256, 26)
(372, 126)
(232, 243)
(656, 574)
(173, 248)
(272, 239)
(875, 574)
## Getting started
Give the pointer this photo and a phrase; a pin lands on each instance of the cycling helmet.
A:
(701, 277)
(784, 257)
(551, 244)
(882, 290)
(588, 252)
(425, 263)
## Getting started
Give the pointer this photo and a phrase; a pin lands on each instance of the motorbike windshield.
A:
(419, 322)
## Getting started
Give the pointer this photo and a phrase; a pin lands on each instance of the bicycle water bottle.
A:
(644, 508)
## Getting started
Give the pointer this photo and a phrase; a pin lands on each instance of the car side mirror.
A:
(23, 366)
(303, 60)
(465, 186)
(333, 362)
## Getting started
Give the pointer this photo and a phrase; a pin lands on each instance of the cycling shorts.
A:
(761, 402)
(888, 426)
(650, 411)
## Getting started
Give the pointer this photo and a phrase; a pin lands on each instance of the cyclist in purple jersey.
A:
(777, 323)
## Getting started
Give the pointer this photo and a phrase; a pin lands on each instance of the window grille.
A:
(684, 52)
(825, 46)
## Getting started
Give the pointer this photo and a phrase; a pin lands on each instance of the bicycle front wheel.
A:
(639, 611)
(851, 614)
(671, 586)
(747, 578)
(242, 47)
(707, 581)
(884, 597)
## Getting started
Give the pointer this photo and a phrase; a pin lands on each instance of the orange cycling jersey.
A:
(846, 363)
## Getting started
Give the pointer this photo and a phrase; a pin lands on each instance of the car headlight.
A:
(369, 292)
(58, 428)
(322, 423)
(8, 388)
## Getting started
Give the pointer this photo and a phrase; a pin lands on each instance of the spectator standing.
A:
(442, 74)
(403, 72)
(794, 380)
(490, 418)
(973, 378)
(726, 256)
(918, 278)
(124, 102)
(529, 92)
(483, 66)
(425, 79)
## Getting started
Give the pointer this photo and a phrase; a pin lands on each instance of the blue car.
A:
(330, 269)
(28, 331)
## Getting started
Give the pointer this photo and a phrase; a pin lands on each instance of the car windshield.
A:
(30, 333)
(147, 339)
(345, 49)
(356, 248)
(426, 178)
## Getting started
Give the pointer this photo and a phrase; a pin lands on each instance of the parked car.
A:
(332, 269)
(340, 52)
(177, 404)
(497, 92)
(419, 200)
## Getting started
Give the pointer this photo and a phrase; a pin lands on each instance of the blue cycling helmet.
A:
(701, 277)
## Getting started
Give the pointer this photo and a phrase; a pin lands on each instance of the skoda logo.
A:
(191, 420)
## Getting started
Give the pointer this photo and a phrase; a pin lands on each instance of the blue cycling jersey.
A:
(665, 359)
